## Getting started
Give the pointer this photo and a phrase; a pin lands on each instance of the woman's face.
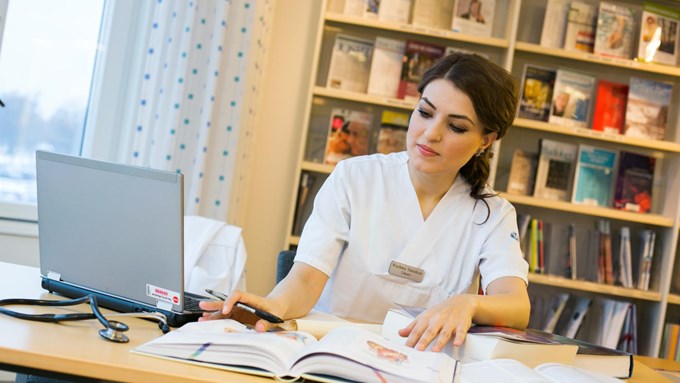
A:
(444, 132)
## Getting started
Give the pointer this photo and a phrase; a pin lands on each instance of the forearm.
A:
(510, 309)
(296, 294)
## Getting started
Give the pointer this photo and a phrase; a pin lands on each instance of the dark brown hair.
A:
(493, 93)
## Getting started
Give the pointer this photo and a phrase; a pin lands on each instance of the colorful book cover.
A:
(615, 34)
(610, 107)
(659, 34)
(418, 58)
(392, 135)
(594, 179)
(581, 25)
(385, 73)
(572, 98)
(554, 175)
(474, 17)
(537, 90)
(647, 108)
(350, 64)
(634, 181)
(349, 134)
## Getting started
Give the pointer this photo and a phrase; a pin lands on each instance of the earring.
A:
(480, 152)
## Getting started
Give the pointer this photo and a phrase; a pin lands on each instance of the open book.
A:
(513, 371)
(345, 353)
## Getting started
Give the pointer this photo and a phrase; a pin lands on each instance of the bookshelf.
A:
(514, 42)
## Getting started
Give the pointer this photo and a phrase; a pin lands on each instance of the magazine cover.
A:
(615, 33)
(522, 172)
(537, 90)
(434, 14)
(392, 135)
(418, 57)
(349, 134)
(554, 175)
(634, 182)
(647, 108)
(572, 97)
(350, 64)
(398, 11)
(581, 24)
(555, 23)
(594, 179)
(474, 17)
(659, 31)
(386, 67)
(610, 107)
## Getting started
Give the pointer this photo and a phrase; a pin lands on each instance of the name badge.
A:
(405, 271)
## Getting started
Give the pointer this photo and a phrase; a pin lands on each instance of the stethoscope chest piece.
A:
(114, 332)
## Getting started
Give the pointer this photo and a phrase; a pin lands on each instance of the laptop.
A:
(115, 231)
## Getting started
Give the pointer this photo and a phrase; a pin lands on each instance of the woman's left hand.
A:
(451, 318)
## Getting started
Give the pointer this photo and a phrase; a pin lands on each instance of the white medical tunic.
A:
(367, 215)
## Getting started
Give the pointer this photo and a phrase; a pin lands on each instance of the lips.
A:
(426, 151)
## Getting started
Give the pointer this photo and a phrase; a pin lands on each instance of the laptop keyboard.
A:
(191, 302)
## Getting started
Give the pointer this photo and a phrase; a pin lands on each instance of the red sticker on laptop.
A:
(162, 294)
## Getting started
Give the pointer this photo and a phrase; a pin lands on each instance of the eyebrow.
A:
(459, 116)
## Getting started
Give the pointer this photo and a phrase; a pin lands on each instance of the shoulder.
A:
(372, 163)
(498, 207)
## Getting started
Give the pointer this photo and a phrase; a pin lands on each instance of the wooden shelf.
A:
(599, 288)
(666, 146)
(416, 30)
(363, 98)
(674, 299)
(649, 219)
(667, 70)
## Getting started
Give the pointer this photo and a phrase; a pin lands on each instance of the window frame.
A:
(115, 77)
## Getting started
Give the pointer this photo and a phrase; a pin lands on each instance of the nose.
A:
(433, 130)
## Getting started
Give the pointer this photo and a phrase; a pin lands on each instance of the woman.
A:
(418, 227)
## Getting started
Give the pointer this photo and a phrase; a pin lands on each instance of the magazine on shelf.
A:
(615, 34)
(634, 182)
(610, 107)
(647, 108)
(572, 98)
(537, 92)
(385, 73)
(594, 177)
(554, 174)
(555, 23)
(392, 134)
(349, 134)
(344, 353)
(522, 172)
(418, 57)
(397, 11)
(474, 17)
(434, 14)
(350, 63)
(659, 34)
(581, 25)
(572, 317)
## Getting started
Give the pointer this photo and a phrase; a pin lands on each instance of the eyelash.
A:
(453, 127)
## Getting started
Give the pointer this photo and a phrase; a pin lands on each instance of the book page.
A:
(560, 373)
(499, 370)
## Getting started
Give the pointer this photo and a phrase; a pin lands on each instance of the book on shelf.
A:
(587, 253)
(647, 108)
(537, 92)
(385, 74)
(616, 28)
(556, 305)
(450, 50)
(350, 63)
(555, 23)
(644, 271)
(572, 98)
(418, 57)
(581, 25)
(556, 239)
(554, 173)
(625, 274)
(392, 134)
(349, 134)
(634, 182)
(522, 172)
(474, 17)
(628, 340)
(523, 221)
(397, 11)
(610, 107)
(531, 347)
(434, 14)
(594, 176)
(669, 342)
(659, 34)
(344, 353)
(605, 259)
(572, 316)
(305, 201)
(511, 370)
(604, 323)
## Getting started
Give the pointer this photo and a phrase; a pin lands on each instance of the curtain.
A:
(195, 110)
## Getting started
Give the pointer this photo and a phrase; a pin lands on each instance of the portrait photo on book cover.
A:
(471, 10)
(347, 138)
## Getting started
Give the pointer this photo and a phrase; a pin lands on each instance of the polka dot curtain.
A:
(194, 112)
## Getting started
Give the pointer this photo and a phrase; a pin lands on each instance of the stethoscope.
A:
(113, 330)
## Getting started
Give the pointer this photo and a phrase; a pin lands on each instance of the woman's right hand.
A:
(228, 309)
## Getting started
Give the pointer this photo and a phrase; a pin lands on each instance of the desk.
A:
(75, 348)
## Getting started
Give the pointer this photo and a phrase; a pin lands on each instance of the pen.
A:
(260, 313)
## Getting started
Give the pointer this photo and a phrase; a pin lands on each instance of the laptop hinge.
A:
(167, 306)
(53, 276)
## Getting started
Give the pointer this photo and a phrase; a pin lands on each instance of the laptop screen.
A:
(111, 228)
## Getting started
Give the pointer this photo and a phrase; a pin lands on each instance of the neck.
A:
(430, 189)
